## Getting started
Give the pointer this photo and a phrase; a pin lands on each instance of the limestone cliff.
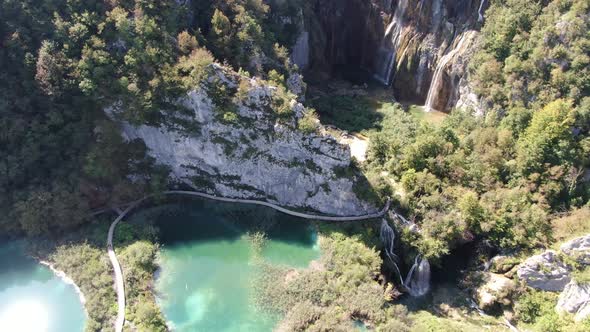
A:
(251, 151)
(420, 48)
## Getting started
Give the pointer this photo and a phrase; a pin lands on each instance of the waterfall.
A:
(419, 285)
(436, 16)
(300, 53)
(437, 78)
(387, 52)
(420, 74)
(480, 11)
(417, 281)
(387, 236)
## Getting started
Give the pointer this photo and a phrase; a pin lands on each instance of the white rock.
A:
(583, 312)
(262, 159)
(575, 299)
(296, 85)
(545, 272)
(578, 249)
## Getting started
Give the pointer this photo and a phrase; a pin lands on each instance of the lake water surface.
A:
(32, 298)
(207, 262)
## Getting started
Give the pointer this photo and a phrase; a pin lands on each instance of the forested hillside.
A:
(63, 62)
(501, 176)
(510, 175)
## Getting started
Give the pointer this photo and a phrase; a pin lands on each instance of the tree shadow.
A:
(179, 218)
(344, 105)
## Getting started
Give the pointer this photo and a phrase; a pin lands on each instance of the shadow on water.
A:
(16, 264)
(194, 219)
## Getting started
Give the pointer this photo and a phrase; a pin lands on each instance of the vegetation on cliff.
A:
(515, 177)
(63, 62)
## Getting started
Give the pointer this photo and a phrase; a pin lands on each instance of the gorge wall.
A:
(418, 47)
(257, 157)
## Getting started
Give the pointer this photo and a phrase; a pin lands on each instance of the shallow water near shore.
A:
(208, 262)
(33, 298)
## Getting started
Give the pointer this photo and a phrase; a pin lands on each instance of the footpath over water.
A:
(119, 281)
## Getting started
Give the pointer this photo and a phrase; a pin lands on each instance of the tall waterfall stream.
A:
(417, 281)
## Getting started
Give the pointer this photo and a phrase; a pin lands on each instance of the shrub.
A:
(276, 78)
(192, 69)
(582, 276)
(534, 304)
(327, 299)
(309, 123)
(281, 100)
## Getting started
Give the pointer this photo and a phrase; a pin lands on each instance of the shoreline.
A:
(159, 298)
(69, 281)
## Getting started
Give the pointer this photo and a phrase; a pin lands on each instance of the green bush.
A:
(327, 299)
(534, 304)
(582, 276)
(309, 123)
(91, 270)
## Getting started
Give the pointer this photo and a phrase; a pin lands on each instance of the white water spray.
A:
(480, 11)
(387, 53)
(435, 84)
(417, 281)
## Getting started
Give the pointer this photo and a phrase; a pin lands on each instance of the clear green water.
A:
(32, 298)
(207, 270)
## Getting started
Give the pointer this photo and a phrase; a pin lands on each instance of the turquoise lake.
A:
(207, 269)
(32, 298)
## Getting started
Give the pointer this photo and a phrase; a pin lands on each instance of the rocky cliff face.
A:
(418, 47)
(258, 156)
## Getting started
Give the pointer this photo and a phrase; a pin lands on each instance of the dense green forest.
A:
(507, 177)
(63, 62)
(502, 176)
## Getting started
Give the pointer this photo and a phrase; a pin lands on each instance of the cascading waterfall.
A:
(387, 236)
(435, 84)
(387, 52)
(417, 281)
(420, 74)
(300, 53)
(480, 11)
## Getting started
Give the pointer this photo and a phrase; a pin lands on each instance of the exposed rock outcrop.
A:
(549, 272)
(420, 48)
(502, 264)
(545, 272)
(296, 85)
(262, 155)
(468, 99)
(578, 249)
(575, 299)
(496, 290)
